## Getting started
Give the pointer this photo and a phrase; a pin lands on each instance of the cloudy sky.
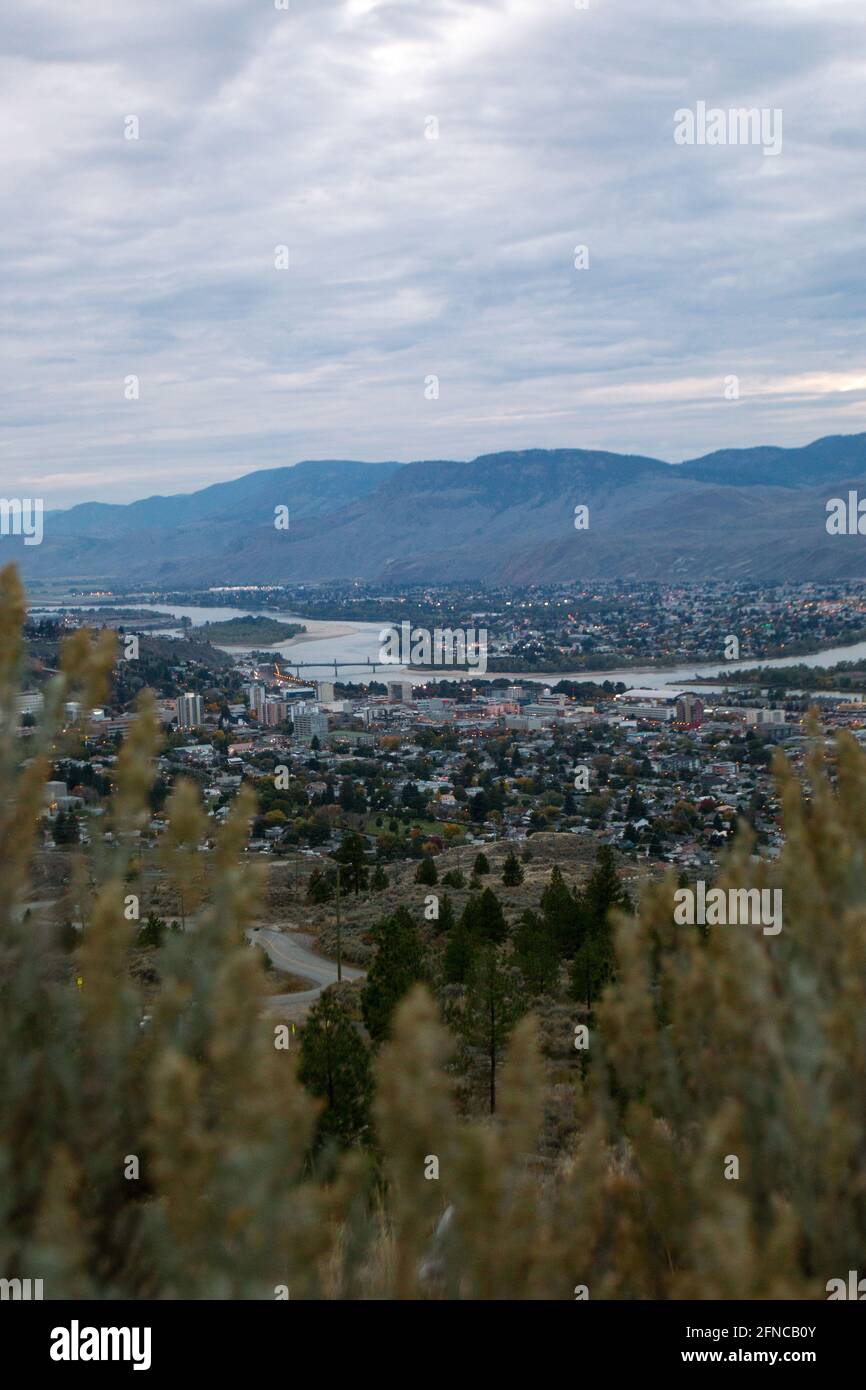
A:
(411, 257)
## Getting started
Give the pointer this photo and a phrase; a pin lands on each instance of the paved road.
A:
(291, 951)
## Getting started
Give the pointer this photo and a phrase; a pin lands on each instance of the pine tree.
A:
(352, 857)
(512, 873)
(492, 1007)
(446, 919)
(481, 865)
(561, 913)
(427, 872)
(397, 964)
(459, 954)
(319, 889)
(594, 960)
(536, 953)
(379, 879)
(636, 807)
(65, 831)
(484, 917)
(335, 1067)
(151, 931)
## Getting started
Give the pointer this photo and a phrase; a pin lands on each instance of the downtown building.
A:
(190, 711)
(310, 723)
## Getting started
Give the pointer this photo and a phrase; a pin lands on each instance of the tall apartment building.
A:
(690, 709)
(255, 694)
(310, 723)
(190, 711)
(273, 711)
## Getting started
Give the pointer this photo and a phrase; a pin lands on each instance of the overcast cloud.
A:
(412, 257)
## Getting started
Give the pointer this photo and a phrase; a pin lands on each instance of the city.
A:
(432, 679)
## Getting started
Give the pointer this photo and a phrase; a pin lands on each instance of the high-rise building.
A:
(326, 691)
(400, 692)
(190, 711)
(273, 711)
(255, 694)
(690, 709)
(310, 723)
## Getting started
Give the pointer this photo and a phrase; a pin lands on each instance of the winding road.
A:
(291, 951)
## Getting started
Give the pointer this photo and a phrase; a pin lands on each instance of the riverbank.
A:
(355, 647)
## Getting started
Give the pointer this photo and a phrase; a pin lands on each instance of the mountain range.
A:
(756, 513)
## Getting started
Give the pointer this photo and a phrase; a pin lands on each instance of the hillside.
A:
(748, 513)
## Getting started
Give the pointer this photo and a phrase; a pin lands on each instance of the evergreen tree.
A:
(604, 890)
(636, 807)
(65, 830)
(492, 1007)
(397, 964)
(561, 913)
(455, 878)
(379, 879)
(412, 799)
(459, 954)
(335, 1066)
(479, 809)
(512, 873)
(482, 864)
(536, 953)
(484, 917)
(352, 857)
(594, 960)
(446, 919)
(427, 872)
(347, 794)
(319, 889)
(151, 931)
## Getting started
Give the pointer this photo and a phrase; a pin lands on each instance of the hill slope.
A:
(757, 513)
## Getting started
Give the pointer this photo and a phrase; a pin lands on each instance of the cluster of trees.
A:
(484, 977)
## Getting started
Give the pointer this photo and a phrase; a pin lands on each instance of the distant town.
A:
(551, 629)
(663, 775)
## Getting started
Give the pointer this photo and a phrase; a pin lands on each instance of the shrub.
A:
(706, 1044)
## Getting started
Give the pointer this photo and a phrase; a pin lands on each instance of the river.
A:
(327, 641)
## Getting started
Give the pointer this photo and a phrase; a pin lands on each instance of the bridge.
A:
(335, 666)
